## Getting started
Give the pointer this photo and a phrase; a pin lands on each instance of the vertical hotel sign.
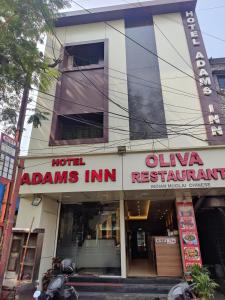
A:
(209, 100)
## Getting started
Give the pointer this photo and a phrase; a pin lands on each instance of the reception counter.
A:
(167, 256)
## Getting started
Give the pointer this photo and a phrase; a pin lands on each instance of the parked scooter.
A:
(58, 288)
(182, 291)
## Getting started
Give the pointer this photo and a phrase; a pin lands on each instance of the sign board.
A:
(174, 170)
(7, 156)
(189, 242)
(166, 240)
(211, 108)
(133, 171)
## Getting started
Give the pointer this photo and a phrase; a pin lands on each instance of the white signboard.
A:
(133, 171)
(175, 170)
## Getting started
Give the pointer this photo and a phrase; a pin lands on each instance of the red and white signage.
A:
(175, 170)
(189, 242)
(133, 171)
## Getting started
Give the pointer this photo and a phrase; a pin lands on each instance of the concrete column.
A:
(57, 226)
(122, 237)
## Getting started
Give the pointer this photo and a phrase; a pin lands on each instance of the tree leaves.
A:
(22, 25)
(37, 117)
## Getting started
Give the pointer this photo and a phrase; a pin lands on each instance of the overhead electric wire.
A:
(139, 44)
(96, 87)
(136, 77)
(154, 129)
(142, 46)
(65, 73)
(127, 117)
(113, 129)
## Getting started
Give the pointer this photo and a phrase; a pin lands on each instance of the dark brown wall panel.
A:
(76, 87)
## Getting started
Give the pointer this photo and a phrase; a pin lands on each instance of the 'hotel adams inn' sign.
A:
(211, 109)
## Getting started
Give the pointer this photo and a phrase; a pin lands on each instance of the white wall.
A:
(45, 216)
(49, 223)
(27, 212)
(178, 109)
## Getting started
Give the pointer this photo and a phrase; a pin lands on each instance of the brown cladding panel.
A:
(77, 88)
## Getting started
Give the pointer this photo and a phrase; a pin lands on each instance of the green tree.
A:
(23, 25)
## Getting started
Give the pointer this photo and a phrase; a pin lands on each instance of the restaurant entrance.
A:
(152, 243)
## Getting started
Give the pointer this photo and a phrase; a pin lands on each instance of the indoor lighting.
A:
(140, 216)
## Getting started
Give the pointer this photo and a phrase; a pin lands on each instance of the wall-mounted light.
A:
(36, 199)
(121, 149)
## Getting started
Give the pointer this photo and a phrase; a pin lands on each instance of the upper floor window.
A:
(221, 80)
(80, 126)
(86, 55)
(81, 104)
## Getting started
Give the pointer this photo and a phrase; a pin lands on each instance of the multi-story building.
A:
(218, 72)
(132, 152)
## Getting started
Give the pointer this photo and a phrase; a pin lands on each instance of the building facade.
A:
(130, 163)
(218, 72)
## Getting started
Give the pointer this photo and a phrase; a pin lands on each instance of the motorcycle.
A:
(58, 288)
(182, 291)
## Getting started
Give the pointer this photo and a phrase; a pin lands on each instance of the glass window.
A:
(144, 102)
(87, 54)
(221, 80)
(80, 126)
(89, 233)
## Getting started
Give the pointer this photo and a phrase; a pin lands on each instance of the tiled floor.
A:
(141, 267)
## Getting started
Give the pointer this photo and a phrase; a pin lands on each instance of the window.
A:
(80, 126)
(83, 117)
(221, 80)
(144, 103)
(88, 54)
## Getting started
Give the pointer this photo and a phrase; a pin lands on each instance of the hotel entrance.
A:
(152, 242)
(89, 234)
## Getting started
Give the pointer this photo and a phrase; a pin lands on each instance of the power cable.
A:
(116, 114)
(94, 85)
(142, 46)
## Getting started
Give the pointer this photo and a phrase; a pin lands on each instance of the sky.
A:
(211, 15)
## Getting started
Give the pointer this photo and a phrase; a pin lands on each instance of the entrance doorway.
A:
(148, 225)
(89, 234)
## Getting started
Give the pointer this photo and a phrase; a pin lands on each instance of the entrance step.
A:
(118, 288)
(116, 296)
